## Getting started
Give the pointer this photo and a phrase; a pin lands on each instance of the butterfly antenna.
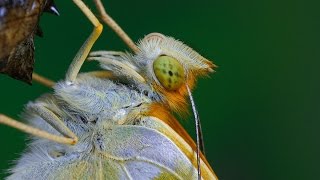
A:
(201, 138)
(194, 108)
(198, 130)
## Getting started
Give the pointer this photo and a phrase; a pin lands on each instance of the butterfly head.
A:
(168, 66)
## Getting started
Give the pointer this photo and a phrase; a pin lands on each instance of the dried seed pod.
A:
(19, 22)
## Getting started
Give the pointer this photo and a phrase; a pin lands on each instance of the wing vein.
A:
(126, 171)
(141, 159)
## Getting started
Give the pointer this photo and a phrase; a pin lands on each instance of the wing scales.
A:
(123, 152)
(162, 127)
(146, 153)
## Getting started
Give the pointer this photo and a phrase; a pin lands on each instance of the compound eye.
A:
(169, 72)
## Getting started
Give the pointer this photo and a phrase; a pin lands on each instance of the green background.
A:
(260, 111)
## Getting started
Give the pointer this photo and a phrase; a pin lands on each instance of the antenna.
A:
(200, 143)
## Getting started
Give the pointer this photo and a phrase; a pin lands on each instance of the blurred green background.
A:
(260, 111)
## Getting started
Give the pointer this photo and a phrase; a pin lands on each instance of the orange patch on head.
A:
(177, 99)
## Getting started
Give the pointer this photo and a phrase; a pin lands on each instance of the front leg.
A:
(119, 63)
(83, 52)
(35, 131)
(51, 118)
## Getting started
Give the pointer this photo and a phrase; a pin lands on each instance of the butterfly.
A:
(19, 23)
(116, 123)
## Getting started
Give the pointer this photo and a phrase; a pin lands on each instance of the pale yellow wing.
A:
(147, 150)
(161, 126)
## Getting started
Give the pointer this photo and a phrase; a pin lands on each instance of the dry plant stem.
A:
(115, 27)
(34, 131)
(43, 80)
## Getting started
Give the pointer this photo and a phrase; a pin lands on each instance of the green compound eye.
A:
(169, 72)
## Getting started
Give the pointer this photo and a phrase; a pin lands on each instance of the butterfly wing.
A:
(135, 152)
(183, 142)
(138, 151)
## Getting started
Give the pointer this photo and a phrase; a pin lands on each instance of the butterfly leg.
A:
(107, 53)
(86, 47)
(42, 80)
(34, 131)
(51, 118)
(117, 63)
(49, 83)
(101, 74)
(114, 26)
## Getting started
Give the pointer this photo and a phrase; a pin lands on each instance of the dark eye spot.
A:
(170, 73)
